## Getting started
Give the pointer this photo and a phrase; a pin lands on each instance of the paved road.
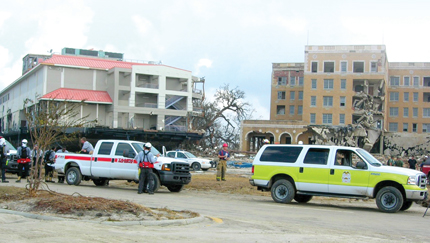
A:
(245, 219)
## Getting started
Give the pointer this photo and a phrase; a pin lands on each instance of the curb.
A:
(115, 223)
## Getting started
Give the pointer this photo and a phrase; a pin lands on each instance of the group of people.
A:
(411, 163)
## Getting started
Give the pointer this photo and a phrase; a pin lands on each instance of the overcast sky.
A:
(233, 41)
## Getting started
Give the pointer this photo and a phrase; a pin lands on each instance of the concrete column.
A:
(115, 119)
(62, 77)
(162, 93)
(160, 122)
(94, 80)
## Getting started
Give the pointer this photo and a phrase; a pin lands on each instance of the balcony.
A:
(147, 81)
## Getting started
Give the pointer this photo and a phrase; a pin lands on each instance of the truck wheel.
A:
(196, 166)
(406, 205)
(302, 198)
(157, 183)
(175, 188)
(100, 182)
(73, 176)
(389, 199)
(283, 191)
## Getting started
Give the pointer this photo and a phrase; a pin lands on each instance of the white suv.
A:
(195, 163)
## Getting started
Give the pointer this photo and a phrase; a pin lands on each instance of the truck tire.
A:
(406, 205)
(283, 191)
(302, 198)
(196, 166)
(389, 199)
(100, 182)
(73, 176)
(175, 188)
(157, 183)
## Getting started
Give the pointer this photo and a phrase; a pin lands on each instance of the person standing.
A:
(391, 161)
(145, 161)
(37, 156)
(49, 167)
(223, 156)
(399, 162)
(412, 163)
(87, 147)
(24, 160)
(3, 159)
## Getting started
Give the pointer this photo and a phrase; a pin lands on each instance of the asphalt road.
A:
(244, 219)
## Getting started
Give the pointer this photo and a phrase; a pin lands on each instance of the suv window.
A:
(123, 147)
(171, 154)
(181, 155)
(105, 148)
(281, 154)
(316, 156)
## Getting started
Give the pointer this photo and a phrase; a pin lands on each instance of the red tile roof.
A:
(90, 96)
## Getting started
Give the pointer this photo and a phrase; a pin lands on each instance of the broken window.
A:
(282, 80)
(343, 84)
(342, 101)
(328, 83)
(373, 67)
(394, 81)
(358, 67)
(300, 95)
(343, 66)
(393, 127)
(394, 111)
(313, 101)
(314, 67)
(414, 127)
(394, 96)
(293, 81)
(328, 101)
(314, 84)
(406, 97)
(426, 127)
(341, 118)
(329, 67)
(291, 110)
(405, 127)
(405, 111)
(292, 95)
(416, 81)
(313, 118)
(406, 81)
(280, 110)
(327, 119)
(281, 95)
(299, 110)
(301, 81)
(415, 96)
(415, 112)
(426, 112)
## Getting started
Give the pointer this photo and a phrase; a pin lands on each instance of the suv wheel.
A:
(73, 176)
(389, 199)
(283, 191)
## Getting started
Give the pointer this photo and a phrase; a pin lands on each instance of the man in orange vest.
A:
(145, 161)
(223, 156)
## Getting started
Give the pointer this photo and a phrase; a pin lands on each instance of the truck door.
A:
(123, 166)
(101, 160)
(344, 177)
(182, 156)
(314, 172)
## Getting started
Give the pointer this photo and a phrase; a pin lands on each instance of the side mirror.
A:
(361, 165)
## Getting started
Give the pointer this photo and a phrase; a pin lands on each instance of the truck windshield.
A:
(139, 147)
(369, 158)
(10, 146)
(189, 155)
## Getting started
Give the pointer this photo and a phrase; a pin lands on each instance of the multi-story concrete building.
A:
(132, 96)
(343, 88)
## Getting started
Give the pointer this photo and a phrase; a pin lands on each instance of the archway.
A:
(285, 138)
(255, 139)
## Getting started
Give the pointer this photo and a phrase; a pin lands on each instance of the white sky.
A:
(227, 41)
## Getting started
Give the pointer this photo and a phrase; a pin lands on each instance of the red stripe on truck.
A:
(77, 157)
(104, 159)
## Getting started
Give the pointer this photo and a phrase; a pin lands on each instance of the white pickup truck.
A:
(115, 160)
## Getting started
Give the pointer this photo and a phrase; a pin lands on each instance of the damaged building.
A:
(347, 95)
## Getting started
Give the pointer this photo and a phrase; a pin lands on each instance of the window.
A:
(394, 81)
(314, 67)
(416, 81)
(301, 81)
(406, 81)
(124, 148)
(316, 156)
(426, 127)
(314, 84)
(415, 96)
(292, 95)
(313, 118)
(392, 127)
(181, 155)
(329, 67)
(373, 67)
(394, 111)
(405, 111)
(358, 67)
(342, 101)
(328, 101)
(281, 154)
(343, 66)
(313, 101)
(171, 154)
(300, 110)
(426, 112)
(281, 95)
(406, 97)
(414, 127)
(343, 84)
(280, 110)
(105, 148)
(405, 127)
(328, 83)
(394, 96)
(293, 81)
(291, 110)
(341, 118)
(327, 118)
(282, 80)
(300, 95)
(415, 112)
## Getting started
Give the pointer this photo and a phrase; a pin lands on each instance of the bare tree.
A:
(47, 122)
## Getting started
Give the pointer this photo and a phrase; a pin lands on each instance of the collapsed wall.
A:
(406, 144)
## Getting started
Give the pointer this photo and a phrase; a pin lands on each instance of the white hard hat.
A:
(266, 141)
(2, 141)
(148, 145)
(24, 141)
